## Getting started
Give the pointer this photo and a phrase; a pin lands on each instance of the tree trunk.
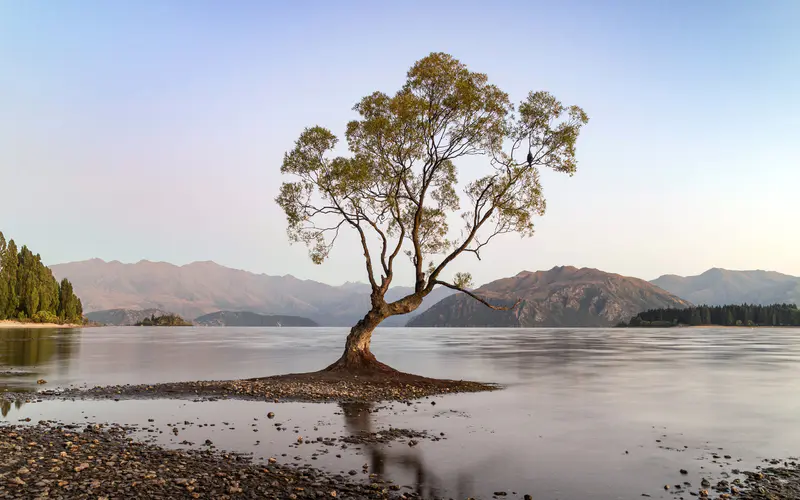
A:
(357, 358)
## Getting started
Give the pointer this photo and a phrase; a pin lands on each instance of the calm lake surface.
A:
(587, 413)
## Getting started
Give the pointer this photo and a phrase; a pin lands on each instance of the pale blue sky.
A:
(155, 130)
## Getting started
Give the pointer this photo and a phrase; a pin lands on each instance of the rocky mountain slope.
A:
(205, 287)
(721, 286)
(124, 317)
(245, 318)
(562, 296)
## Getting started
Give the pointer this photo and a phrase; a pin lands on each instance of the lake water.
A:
(587, 413)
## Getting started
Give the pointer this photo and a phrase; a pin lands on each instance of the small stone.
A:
(666, 486)
(684, 471)
(705, 483)
(270, 415)
(41, 381)
(527, 497)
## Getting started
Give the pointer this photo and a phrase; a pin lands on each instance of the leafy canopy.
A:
(398, 183)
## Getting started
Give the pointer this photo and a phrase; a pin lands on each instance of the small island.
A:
(751, 315)
(163, 320)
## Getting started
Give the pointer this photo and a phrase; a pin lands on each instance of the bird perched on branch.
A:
(530, 158)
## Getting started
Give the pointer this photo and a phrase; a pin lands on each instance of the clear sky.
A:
(155, 130)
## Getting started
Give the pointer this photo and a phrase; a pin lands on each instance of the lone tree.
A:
(397, 186)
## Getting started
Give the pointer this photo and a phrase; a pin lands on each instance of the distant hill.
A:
(206, 287)
(560, 297)
(721, 286)
(244, 318)
(123, 317)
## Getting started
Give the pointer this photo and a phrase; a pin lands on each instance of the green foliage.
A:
(9, 264)
(68, 302)
(28, 289)
(397, 186)
(165, 320)
(45, 317)
(729, 315)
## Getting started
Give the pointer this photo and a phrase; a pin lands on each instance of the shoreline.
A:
(107, 460)
(8, 324)
(100, 460)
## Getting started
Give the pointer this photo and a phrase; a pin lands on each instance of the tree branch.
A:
(355, 223)
(479, 299)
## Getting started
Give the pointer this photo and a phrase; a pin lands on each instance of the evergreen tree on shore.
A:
(28, 289)
(728, 315)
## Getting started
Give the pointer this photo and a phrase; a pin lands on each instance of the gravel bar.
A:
(103, 462)
(302, 388)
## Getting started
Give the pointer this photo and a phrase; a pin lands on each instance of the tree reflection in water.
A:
(358, 420)
(41, 348)
(27, 355)
(6, 404)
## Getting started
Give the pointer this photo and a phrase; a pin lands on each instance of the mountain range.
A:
(562, 296)
(201, 288)
(717, 287)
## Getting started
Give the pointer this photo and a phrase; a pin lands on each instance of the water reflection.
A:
(359, 418)
(26, 347)
(27, 355)
(6, 404)
(576, 401)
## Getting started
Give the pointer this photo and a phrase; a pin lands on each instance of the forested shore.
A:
(727, 315)
(30, 293)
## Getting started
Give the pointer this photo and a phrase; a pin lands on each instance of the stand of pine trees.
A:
(729, 315)
(28, 290)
